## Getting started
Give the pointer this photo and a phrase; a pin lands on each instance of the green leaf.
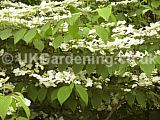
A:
(102, 69)
(38, 44)
(90, 68)
(19, 86)
(21, 118)
(82, 93)
(68, 37)
(73, 9)
(122, 68)
(56, 28)
(57, 41)
(19, 35)
(86, 31)
(73, 19)
(141, 99)
(32, 92)
(155, 4)
(42, 92)
(62, 66)
(54, 94)
(102, 33)
(5, 102)
(113, 68)
(96, 99)
(63, 94)
(22, 104)
(29, 36)
(113, 18)
(77, 68)
(130, 98)
(46, 30)
(73, 30)
(146, 66)
(71, 103)
(5, 34)
(157, 59)
(105, 12)
(46, 27)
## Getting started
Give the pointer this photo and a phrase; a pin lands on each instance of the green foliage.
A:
(19, 35)
(64, 93)
(28, 38)
(5, 34)
(102, 33)
(32, 92)
(105, 12)
(5, 103)
(90, 91)
(82, 93)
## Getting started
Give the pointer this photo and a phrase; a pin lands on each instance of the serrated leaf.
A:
(56, 28)
(42, 92)
(105, 12)
(72, 103)
(90, 68)
(68, 37)
(102, 33)
(5, 34)
(77, 68)
(141, 99)
(57, 41)
(73, 30)
(54, 94)
(38, 44)
(86, 31)
(63, 94)
(46, 27)
(96, 99)
(146, 66)
(19, 35)
(46, 30)
(5, 102)
(122, 68)
(113, 68)
(157, 59)
(19, 86)
(22, 104)
(73, 19)
(101, 69)
(29, 36)
(32, 92)
(130, 99)
(82, 93)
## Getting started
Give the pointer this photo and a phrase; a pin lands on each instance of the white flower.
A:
(59, 76)
(121, 22)
(127, 90)
(10, 110)
(134, 85)
(135, 77)
(27, 102)
(1, 52)
(3, 74)
(92, 31)
(156, 79)
(89, 82)
(0, 84)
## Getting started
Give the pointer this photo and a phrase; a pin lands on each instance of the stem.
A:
(114, 109)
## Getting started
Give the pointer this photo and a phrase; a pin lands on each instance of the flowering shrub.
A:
(77, 59)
